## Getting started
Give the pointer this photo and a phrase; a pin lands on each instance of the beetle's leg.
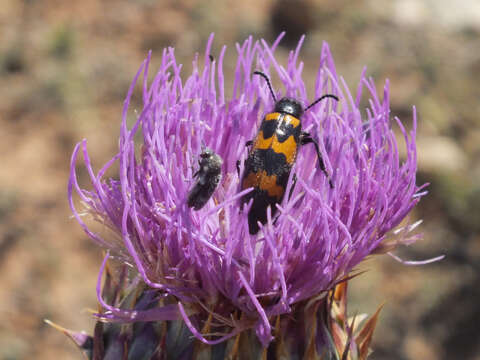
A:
(248, 143)
(294, 182)
(199, 169)
(307, 139)
(238, 168)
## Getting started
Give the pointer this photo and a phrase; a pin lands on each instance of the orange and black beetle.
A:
(272, 156)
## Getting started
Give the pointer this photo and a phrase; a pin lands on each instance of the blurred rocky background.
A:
(65, 67)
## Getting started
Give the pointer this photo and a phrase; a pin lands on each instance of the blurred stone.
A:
(410, 12)
(444, 13)
(440, 154)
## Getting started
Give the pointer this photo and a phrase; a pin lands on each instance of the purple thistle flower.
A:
(205, 262)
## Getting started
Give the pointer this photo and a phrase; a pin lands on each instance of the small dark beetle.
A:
(208, 176)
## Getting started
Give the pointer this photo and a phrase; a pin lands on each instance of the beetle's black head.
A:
(206, 153)
(289, 106)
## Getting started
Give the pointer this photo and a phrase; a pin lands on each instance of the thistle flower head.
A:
(205, 266)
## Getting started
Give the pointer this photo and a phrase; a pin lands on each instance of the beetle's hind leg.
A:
(247, 144)
(294, 182)
(306, 138)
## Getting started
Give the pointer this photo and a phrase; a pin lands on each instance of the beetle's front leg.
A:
(306, 138)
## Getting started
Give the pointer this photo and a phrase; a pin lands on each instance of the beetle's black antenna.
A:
(320, 99)
(268, 82)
